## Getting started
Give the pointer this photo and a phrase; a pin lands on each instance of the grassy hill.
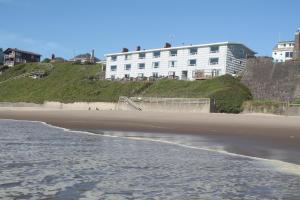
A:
(68, 82)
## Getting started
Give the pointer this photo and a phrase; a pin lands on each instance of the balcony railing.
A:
(8, 56)
(9, 63)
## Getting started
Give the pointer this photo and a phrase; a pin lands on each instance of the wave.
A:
(278, 165)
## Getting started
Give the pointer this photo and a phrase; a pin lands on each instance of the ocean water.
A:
(38, 161)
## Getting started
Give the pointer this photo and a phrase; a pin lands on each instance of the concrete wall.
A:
(293, 111)
(297, 45)
(274, 81)
(168, 105)
(58, 106)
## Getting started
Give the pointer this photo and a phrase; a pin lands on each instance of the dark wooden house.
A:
(15, 56)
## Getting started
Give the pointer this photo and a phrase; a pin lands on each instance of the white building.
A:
(183, 62)
(283, 51)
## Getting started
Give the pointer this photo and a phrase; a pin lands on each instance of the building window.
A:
(141, 65)
(155, 74)
(216, 72)
(172, 63)
(288, 54)
(173, 53)
(142, 55)
(155, 64)
(214, 61)
(113, 68)
(156, 54)
(192, 62)
(127, 57)
(128, 67)
(172, 73)
(214, 49)
(127, 76)
(140, 75)
(112, 77)
(275, 53)
(114, 58)
(193, 51)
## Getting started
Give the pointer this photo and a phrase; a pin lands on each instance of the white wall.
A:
(183, 56)
(279, 52)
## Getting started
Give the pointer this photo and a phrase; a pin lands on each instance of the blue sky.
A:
(68, 27)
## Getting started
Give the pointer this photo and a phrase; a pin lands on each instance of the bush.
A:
(230, 100)
(46, 60)
(88, 63)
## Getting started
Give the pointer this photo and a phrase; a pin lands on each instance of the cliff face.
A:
(267, 80)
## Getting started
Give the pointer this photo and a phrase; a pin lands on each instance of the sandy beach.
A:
(266, 136)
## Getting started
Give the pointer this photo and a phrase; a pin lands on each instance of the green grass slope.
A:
(68, 82)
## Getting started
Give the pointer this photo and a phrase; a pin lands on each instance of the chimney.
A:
(297, 45)
(124, 50)
(168, 45)
(138, 48)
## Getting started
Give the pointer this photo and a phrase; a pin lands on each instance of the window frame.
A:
(125, 67)
(127, 57)
(139, 66)
(193, 53)
(153, 64)
(116, 67)
(114, 58)
(175, 63)
(173, 55)
(214, 63)
(214, 51)
(142, 57)
(156, 56)
(189, 62)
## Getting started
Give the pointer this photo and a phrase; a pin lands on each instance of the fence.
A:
(200, 105)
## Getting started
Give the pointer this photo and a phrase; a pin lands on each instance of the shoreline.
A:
(263, 136)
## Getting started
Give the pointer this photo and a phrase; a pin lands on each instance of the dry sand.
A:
(267, 136)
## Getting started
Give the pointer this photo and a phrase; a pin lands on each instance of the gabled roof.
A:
(287, 41)
(21, 51)
(85, 56)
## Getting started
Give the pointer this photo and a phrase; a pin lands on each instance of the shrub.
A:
(46, 60)
(230, 100)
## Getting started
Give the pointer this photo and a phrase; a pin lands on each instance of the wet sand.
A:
(266, 136)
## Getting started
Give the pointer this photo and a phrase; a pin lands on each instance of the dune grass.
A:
(69, 82)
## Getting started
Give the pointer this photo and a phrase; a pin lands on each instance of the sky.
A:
(70, 27)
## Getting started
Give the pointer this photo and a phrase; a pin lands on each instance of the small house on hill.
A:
(87, 57)
(13, 56)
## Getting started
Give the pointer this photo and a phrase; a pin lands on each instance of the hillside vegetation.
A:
(68, 82)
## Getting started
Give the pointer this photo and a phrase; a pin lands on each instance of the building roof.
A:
(182, 47)
(286, 41)
(21, 51)
(84, 56)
